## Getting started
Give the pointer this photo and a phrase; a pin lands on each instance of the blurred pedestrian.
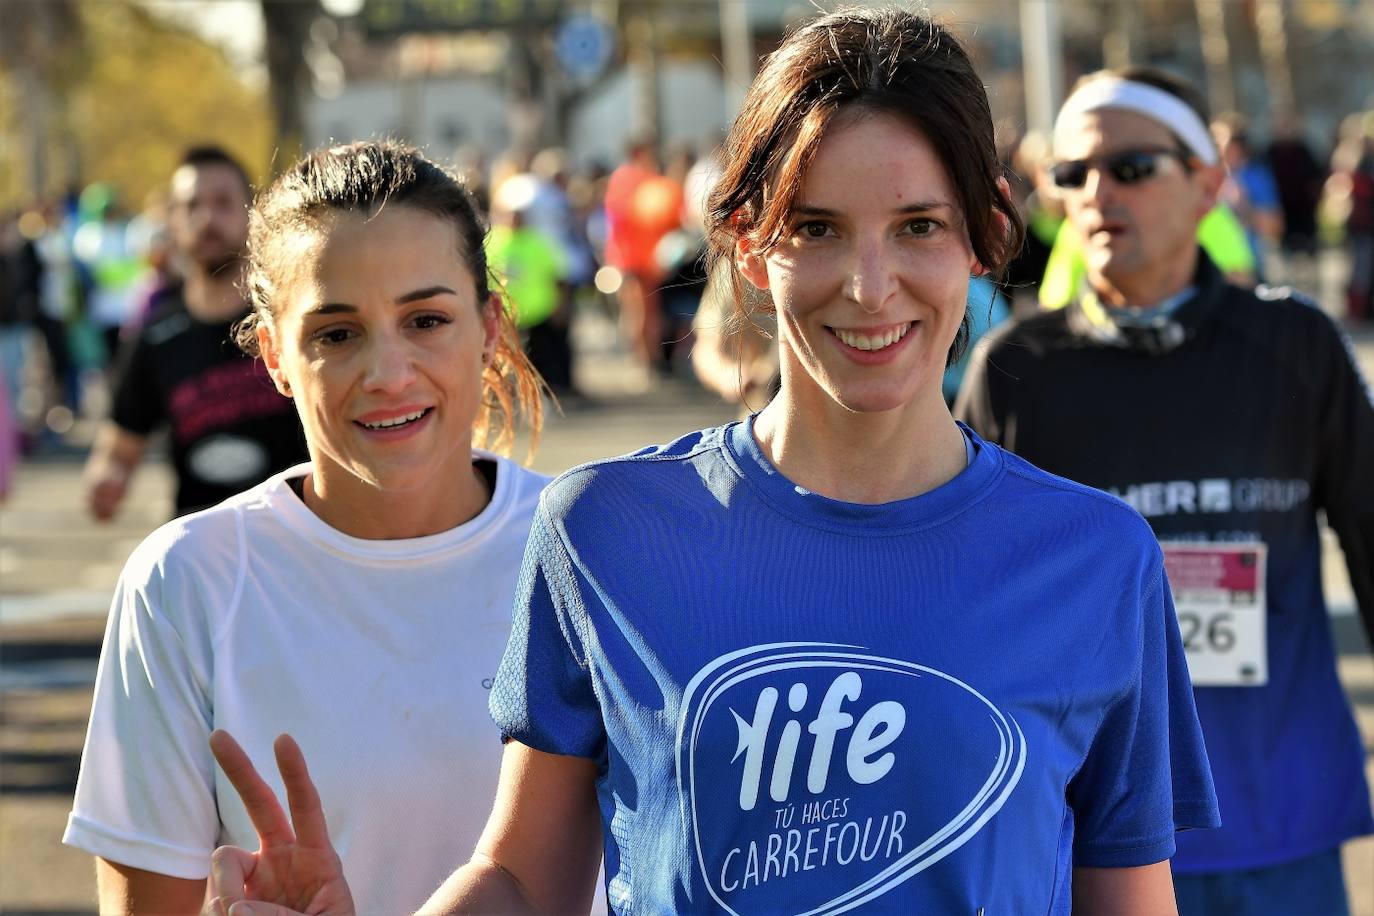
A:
(21, 281)
(533, 270)
(1299, 176)
(229, 427)
(1350, 190)
(1229, 417)
(1041, 211)
(9, 437)
(681, 255)
(366, 592)
(60, 302)
(105, 249)
(978, 707)
(152, 240)
(640, 209)
(1249, 189)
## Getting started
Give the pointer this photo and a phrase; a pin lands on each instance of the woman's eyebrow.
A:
(920, 206)
(334, 308)
(426, 293)
(812, 210)
(925, 206)
(331, 308)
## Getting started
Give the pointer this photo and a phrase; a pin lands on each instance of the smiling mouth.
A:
(396, 422)
(860, 340)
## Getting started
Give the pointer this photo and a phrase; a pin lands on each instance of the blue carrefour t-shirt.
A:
(795, 704)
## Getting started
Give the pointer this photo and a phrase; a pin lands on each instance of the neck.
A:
(364, 510)
(1147, 288)
(862, 457)
(213, 298)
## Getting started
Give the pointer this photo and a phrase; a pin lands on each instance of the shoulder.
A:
(1032, 336)
(521, 485)
(1285, 322)
(624, 481)
(1267, 306)
(1016, 346)
(194, 563)
(167, 320)
(1059, 508)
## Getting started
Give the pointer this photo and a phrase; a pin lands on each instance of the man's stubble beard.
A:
(228, 266)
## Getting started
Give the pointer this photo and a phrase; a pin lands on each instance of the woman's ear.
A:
(1000, 220)
(751, 264)
(271, 358)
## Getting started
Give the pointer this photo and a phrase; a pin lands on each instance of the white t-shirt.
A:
(377, 656)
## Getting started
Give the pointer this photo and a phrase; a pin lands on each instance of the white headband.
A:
(1156, 104)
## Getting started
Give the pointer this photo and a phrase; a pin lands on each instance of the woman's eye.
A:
(922, 226)
(333, 336)
(427, 322)
(813, 230)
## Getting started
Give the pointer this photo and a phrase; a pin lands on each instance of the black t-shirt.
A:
(1261, 401)
(230, 428)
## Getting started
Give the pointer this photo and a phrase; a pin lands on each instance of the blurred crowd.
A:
(79, 274)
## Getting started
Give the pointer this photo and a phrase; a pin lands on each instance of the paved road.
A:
(57, 569)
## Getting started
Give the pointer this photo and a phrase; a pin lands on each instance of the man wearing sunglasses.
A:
(1228, 417)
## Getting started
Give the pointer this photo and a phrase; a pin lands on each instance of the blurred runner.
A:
(21, 278)
(642, 206)
(1228, 418)
(1299, 177)
(1249, 189)
(229, 427)
(113, 265)
(1350, 191)
(532, 269)
(9, 438)
(60, 302)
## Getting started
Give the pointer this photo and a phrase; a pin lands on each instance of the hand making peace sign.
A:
(295, 869)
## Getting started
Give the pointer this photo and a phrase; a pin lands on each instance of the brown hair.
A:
(362, 178)
(208, 155)
(884, 60)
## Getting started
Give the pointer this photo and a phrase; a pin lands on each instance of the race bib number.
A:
(1219, 595)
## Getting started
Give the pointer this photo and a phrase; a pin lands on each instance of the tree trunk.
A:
(287, 25)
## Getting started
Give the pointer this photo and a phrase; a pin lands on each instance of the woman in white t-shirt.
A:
(383, 571)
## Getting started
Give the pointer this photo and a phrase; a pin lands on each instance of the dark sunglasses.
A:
(1129, 166)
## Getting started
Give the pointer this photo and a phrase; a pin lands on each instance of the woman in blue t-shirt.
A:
(841, 654)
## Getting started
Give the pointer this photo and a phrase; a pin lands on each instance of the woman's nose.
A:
(390, 368)
(873, 275)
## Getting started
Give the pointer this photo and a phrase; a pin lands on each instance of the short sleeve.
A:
(137, 405)
(1146, 773)
(145, 794)
(543, 695)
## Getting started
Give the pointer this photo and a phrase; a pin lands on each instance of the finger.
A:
(258, 798)
(218, 906)
(307, 814)
(230, 869)
(258, 908)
